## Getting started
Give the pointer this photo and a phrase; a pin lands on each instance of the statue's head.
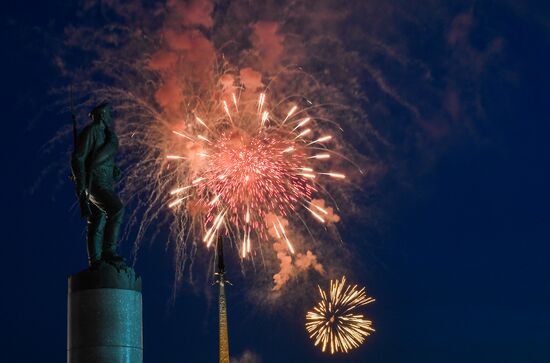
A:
(102, 113)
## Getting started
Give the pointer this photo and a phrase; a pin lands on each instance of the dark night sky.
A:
(460, 271)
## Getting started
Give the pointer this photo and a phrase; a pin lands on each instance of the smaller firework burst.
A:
(332, 322)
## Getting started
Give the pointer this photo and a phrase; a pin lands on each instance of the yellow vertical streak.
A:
(224, 337)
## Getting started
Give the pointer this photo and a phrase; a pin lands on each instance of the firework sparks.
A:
(333, 322)
(251, 168)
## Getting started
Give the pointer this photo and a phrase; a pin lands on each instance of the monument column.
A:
(104, 315)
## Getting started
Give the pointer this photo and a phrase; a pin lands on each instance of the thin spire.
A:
(220, 277)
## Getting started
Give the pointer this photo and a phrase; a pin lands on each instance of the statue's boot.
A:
(93, 257)
(104, 198)
(96, 224)
(109, 252)
(111, 233)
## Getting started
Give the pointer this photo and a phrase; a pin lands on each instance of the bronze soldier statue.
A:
(95, 173)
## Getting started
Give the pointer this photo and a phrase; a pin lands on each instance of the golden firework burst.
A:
(333, 322)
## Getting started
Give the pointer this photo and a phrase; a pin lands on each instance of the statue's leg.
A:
(110, 203)
(96, 224)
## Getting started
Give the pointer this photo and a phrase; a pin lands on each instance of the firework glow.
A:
(245, 164)
(333, 323)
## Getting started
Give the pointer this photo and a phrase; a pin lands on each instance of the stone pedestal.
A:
(104, 315)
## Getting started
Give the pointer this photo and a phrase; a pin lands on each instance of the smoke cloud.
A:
(269, 43)
(247, 357)
(290, 266)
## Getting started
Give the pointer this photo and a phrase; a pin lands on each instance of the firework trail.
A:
(223, 334)
(333, 322)
(222, 305)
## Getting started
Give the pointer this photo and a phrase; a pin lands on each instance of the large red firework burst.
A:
(254, 170)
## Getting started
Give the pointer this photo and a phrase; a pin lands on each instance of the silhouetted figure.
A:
(95, 173)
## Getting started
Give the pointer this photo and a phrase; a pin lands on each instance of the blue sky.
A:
(454, 245)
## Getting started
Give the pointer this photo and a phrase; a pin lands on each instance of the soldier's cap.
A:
(98, 110)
